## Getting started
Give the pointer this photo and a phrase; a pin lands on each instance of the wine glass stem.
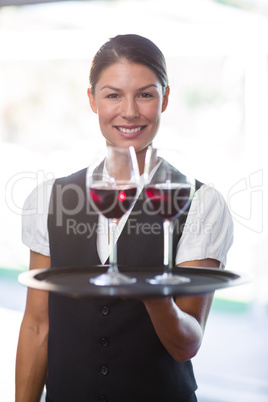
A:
(168, 245)
(113, 246)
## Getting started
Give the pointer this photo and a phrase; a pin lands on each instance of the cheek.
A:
(103, 117)
(154, 113)
(106, 112)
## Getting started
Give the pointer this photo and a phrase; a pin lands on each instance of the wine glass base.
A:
(168, 279)
(112, 279)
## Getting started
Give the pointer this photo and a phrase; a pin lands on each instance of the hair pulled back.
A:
(132, 48)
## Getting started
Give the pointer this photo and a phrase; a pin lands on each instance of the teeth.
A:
(128, 131)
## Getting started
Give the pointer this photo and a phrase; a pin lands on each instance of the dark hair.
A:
(133, 48)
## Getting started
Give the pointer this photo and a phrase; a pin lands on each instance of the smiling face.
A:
(129, 100)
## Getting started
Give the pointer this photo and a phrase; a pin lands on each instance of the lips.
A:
(128, 131)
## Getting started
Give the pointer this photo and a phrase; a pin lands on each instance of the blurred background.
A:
(217, 53)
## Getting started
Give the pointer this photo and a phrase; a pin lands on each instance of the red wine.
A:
(112, 201)
(168, 199)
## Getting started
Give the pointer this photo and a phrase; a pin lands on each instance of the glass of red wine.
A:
(169, 192)
(112, 182)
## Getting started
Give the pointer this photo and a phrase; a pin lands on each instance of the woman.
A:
(116, 350)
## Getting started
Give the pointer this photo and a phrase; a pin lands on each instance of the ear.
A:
(92, 101)
(165, 99)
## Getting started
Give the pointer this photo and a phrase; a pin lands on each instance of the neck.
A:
(141, 159)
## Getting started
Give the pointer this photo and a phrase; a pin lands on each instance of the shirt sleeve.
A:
(34, 219)
(208, 231)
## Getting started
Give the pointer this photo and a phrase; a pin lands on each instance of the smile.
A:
(130, 130)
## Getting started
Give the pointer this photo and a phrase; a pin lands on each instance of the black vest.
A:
(106, 349)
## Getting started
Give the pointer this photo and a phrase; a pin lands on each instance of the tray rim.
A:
(37, 279)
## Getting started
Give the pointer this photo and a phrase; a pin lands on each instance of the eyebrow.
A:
(118, 89)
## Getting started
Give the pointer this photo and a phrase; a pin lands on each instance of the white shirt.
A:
(208, 231)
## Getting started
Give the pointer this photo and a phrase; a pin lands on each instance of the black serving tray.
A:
(74, 281)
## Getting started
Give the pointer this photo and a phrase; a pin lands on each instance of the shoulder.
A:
(34, 218)
(70, 188)
(208, 197)
(76, 178)
(38, 199)
(68, 193)
(210, 210)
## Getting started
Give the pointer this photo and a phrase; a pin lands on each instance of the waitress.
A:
(116, 350)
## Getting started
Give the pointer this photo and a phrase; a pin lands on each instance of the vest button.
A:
(105, 310)
(102, 398)
(104, 370)
(104, 342)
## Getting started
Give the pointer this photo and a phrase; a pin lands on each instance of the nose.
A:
(129, 109)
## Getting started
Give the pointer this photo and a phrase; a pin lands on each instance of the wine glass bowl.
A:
(170, 193)
(112, 182)
(169, 200)
(112, 199)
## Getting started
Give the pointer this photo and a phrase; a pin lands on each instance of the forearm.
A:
(179, 332)
(31, 363)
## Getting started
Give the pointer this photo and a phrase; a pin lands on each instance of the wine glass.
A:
(169, 193)
(112, 182)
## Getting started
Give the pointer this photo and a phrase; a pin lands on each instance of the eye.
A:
(146, 95)
(112, 96)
